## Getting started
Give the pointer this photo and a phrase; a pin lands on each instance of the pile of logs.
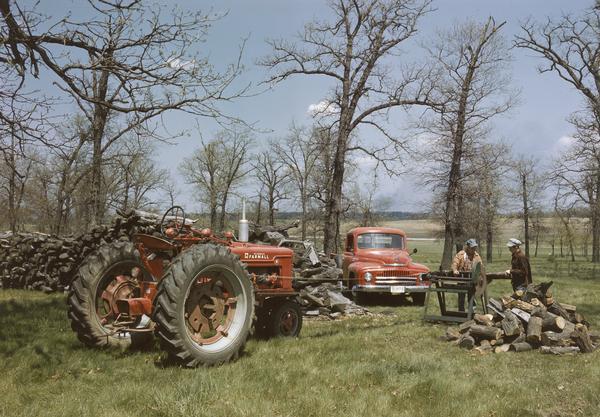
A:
(529, 319)
(46, 262)
(327, 301)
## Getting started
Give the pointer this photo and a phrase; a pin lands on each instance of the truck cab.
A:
(376, 260)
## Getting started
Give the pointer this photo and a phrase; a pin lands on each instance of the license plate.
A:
(397, 289)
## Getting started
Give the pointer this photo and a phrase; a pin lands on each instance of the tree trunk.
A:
(271, 208)
(525, 211)
(303, 226)
(489, 241)
(97, 134)
(595, 220)
(334, 203)
(223, 211)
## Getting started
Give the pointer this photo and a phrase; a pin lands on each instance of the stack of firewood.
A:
(46, 262)
(528, 319)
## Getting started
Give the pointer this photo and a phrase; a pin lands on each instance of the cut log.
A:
(559, 350)
(523, 305)
(578, 318)
(506, 301)
(569, 308)
(510, 324)
(553, 322)
(451, 334)
(495, 305)
(485, 332)
(502, 348)
(466, 342)
(523, 315)
(464, 327)
(582, 339)
(484, 319)
(484, 347)
(534, 331)
(557, 309)
(539, 311)
(556, 339)
(521, 347)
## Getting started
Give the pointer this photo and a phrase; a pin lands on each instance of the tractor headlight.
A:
(368, 276)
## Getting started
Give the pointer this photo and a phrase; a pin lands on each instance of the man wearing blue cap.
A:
(520, 270)
(463, 262)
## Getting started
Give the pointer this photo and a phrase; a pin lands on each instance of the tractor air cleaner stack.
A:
(243, 232)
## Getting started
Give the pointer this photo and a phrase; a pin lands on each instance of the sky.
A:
(536, 127)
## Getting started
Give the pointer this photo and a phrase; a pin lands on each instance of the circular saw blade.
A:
(479, 279)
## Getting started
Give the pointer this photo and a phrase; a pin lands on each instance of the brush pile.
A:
(529, 319)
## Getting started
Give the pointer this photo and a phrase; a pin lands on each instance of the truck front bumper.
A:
(390, 289)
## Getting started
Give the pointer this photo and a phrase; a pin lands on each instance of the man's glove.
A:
(507, 272)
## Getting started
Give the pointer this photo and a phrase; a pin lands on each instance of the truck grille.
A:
(395, 277)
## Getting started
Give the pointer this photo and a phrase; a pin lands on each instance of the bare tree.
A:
(570, 47)
(273, 178)
(565, 214)
(351, 51)
(136, 176)
(530, 187)
(473, 84)
(216, 169)
(300, 153)
(138, 67)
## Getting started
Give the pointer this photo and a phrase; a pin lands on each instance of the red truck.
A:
(376, 260)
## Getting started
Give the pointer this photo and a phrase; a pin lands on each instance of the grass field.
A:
(388, 365)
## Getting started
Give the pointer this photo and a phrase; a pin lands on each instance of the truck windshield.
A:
(380, 241)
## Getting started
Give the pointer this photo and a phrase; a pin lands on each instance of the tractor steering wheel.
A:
(173, 217)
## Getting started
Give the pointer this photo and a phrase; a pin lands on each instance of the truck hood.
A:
(385, 258)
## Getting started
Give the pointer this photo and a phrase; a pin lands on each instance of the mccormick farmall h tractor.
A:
(200, 294)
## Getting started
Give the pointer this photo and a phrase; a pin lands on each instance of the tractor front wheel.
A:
(286, 320)
(110, 273)
(204, 307)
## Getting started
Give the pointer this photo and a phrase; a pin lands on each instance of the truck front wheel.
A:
(418, 298)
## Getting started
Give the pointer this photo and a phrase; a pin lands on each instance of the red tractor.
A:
(200, 294)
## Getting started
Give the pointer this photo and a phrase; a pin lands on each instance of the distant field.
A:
(389, 365)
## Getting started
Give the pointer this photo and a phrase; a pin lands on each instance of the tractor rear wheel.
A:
(286, 320)
(106, 275)
(204, 307)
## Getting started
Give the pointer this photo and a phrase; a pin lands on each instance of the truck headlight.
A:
(368, 276)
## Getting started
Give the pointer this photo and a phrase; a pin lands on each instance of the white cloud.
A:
(565, 141)
(323, 108)
(177, 63)
(562, 145)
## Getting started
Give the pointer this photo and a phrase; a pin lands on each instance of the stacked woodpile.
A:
(46, 262)
(529, 319)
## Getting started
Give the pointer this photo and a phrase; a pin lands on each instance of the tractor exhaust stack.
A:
(243, 232)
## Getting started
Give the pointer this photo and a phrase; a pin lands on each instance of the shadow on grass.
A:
(41, 325)
(386, 300)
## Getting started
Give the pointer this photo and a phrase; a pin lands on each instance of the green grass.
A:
(388, 365)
